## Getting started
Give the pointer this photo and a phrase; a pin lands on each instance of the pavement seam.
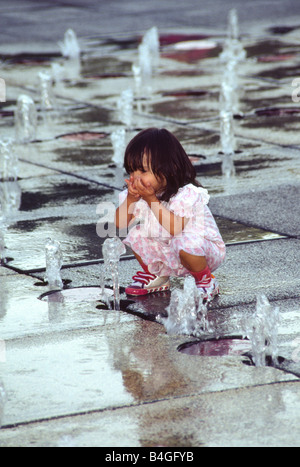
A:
(144, 403)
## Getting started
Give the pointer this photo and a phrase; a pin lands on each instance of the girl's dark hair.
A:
(164, 155)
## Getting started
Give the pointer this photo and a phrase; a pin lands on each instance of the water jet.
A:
(112, 249)
(53, 255)
(25, 119)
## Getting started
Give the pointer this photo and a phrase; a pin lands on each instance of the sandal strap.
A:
(143, 277)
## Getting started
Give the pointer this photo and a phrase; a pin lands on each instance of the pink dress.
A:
(159, 250)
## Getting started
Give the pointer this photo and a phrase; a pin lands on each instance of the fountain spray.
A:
(187, 314)
(233, 49)
(227, 143)
(118, 140)
(148, 60)
(70, 50)
(112, 249)
(233, 53)
(2, 235)
(25, 119)
(53, 264)
(10, 192)
(3, 398)
(8, 161)
(125, 107)
(262, 330)
(70, 46)
(46, 91)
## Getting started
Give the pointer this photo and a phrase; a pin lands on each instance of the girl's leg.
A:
(198, 268)
(196, 254)
(145, 282)
(144, 266)
(191, 262)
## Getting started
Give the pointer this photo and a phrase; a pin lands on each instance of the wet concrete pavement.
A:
(75, 374)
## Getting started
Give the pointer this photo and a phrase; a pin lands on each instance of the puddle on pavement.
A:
(235, 346)
(256, 100)
(91, 155)
(216, 347)
(101, 67)
(90, 115)
(29, 59)
(183, 109)
(277, 112)
(270, 48)
(192, 55)
(234, 232)
(257, 162)
(26, 240)
(185, 93)
(183, 73)
(150, 306)
(76, 295)
(93, 294)
(83, 136)
(282, 30)
(283, 118)
(81, 244)
(146, 307)
(62, 193)
(280, 72)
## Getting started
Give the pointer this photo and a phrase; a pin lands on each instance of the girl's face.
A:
(147, 176)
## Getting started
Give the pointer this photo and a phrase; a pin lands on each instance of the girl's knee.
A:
(192, 262)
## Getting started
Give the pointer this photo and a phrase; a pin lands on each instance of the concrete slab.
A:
(62, 207)
(249, 269)
(78, 238)
(6, 272)
(254, 168)
(272, 209)
(76, 374)
(54, 374)
(269, 418)
(259, 268)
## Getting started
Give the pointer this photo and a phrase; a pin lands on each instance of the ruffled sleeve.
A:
(186, 201)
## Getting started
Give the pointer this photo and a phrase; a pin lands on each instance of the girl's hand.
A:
(146, 191)
(132, 191)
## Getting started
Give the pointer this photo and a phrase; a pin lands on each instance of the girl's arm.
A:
(124, 212)
(167, 219)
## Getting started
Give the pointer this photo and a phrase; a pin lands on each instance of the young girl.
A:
(173, 232)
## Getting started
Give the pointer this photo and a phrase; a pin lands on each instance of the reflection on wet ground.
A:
(271, 48)
(80, 242)
(216, 348)
(234, 232)
(87, 357)
(61, 193)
